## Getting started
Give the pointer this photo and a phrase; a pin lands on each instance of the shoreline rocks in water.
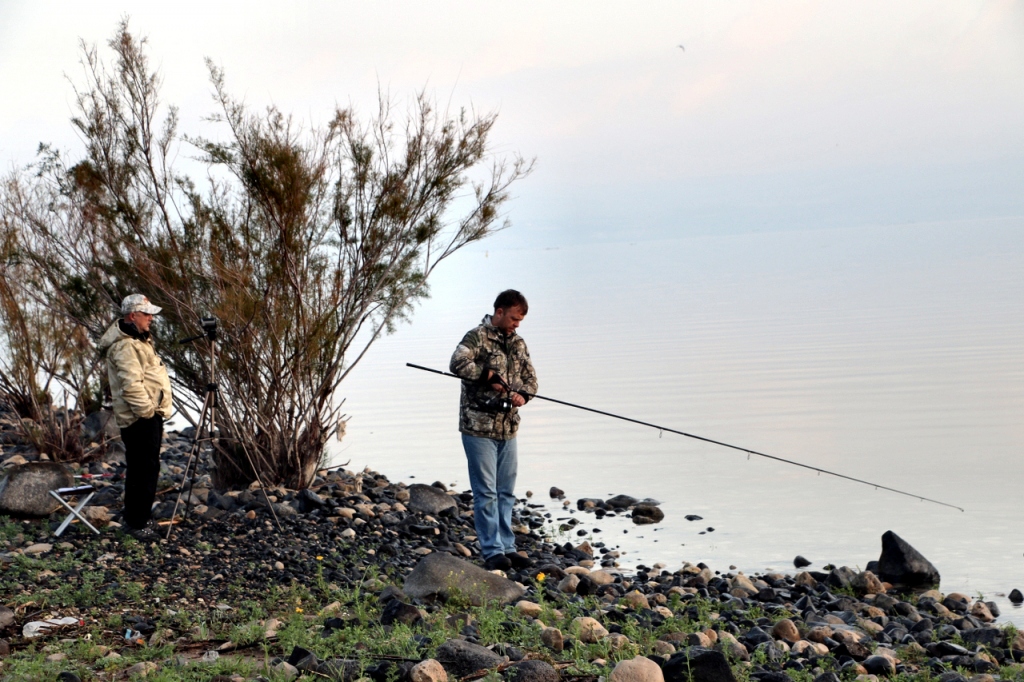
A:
(362, 554)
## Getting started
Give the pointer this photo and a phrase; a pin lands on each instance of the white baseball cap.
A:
(138, 303)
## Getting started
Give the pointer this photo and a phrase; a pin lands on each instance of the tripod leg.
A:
(266, 497)
(193, 459)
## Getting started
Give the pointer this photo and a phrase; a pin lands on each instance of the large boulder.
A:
(442, 575)
(26, 489)
(429, 500)
(901, 564)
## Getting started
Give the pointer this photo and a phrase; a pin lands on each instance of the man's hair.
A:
(510, 298)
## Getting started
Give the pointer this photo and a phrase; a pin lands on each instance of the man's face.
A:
(507, 319)
(141, 320)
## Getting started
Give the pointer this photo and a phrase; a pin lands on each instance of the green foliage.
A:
(307, 243)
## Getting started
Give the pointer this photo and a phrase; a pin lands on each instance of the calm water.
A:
(890, 354)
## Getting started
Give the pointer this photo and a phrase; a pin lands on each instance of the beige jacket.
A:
(138, 378)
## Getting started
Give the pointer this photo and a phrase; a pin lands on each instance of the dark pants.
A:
(142, 455)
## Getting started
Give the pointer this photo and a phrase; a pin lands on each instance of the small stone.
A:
(617, 641)
(867, 582)
(981, 611)
(141, 669)
(805, 579)
(636, 600)
(528, 609)
(663, 648)
(286, 670)
(556, 493)
(647, 513)
(800, 562)
(531, 671)
(601, 577)
(552, 638)
(54, 658)
(569, 583)
(1016, 596)
(428, 671)
(278, 566)
(879, 665)
(348, 534)
(590, 631)
(786, 630)
(639, 669)
(698, 639)
(38, 548)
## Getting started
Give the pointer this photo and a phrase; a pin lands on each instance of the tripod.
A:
(207, 419)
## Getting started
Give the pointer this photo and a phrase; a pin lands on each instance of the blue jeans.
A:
(492, 475)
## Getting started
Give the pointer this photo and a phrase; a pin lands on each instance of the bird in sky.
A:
(682, 48)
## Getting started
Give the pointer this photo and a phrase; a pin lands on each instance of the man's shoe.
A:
(145, 534)
(518, 560)
(498, 562)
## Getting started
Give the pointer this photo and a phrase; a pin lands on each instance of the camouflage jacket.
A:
(487, 347)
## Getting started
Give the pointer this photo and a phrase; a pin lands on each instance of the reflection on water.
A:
(888, 354)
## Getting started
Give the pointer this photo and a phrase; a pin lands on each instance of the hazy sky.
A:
(776, 115)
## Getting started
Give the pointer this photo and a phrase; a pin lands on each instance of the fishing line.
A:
(712, 441)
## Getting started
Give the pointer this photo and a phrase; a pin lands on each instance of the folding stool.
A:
(84, 493)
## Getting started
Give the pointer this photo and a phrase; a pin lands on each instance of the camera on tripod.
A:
(209, 325)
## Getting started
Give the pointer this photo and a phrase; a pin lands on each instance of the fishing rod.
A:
(876, 486)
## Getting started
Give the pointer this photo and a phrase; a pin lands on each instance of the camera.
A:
(209, 325)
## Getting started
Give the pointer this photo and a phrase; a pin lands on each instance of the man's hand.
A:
(499, 386)
(518, 400)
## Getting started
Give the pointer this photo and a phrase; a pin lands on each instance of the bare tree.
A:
(306, 244)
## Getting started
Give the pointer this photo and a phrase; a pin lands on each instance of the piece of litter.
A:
(37, 628)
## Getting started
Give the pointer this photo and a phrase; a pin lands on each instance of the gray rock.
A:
(309, 500)
(399, 612)
(531, 671)
(460, 658)
(6, 617)
(440, 575)
(698, 665)
(647, 513)
(621, 501)
(26, 488)
(951, 676)
(100, 426)
(427, 499)
(901, 564)
(990, 637)
(1016, 596)
(879, 665)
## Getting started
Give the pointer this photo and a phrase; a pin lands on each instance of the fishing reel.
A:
(498, 404)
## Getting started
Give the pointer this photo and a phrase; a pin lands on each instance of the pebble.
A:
(428, 671)
(590, 630)
(639, 669)
(552, 638)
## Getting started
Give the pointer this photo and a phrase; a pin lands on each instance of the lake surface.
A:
(891, 354)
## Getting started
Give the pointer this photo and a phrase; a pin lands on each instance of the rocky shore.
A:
(369, 579)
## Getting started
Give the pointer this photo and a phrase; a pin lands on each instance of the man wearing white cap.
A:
(141, 391)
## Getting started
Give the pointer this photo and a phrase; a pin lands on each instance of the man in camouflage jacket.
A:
(497, 379)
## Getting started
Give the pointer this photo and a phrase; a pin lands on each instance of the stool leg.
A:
(75, 512)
